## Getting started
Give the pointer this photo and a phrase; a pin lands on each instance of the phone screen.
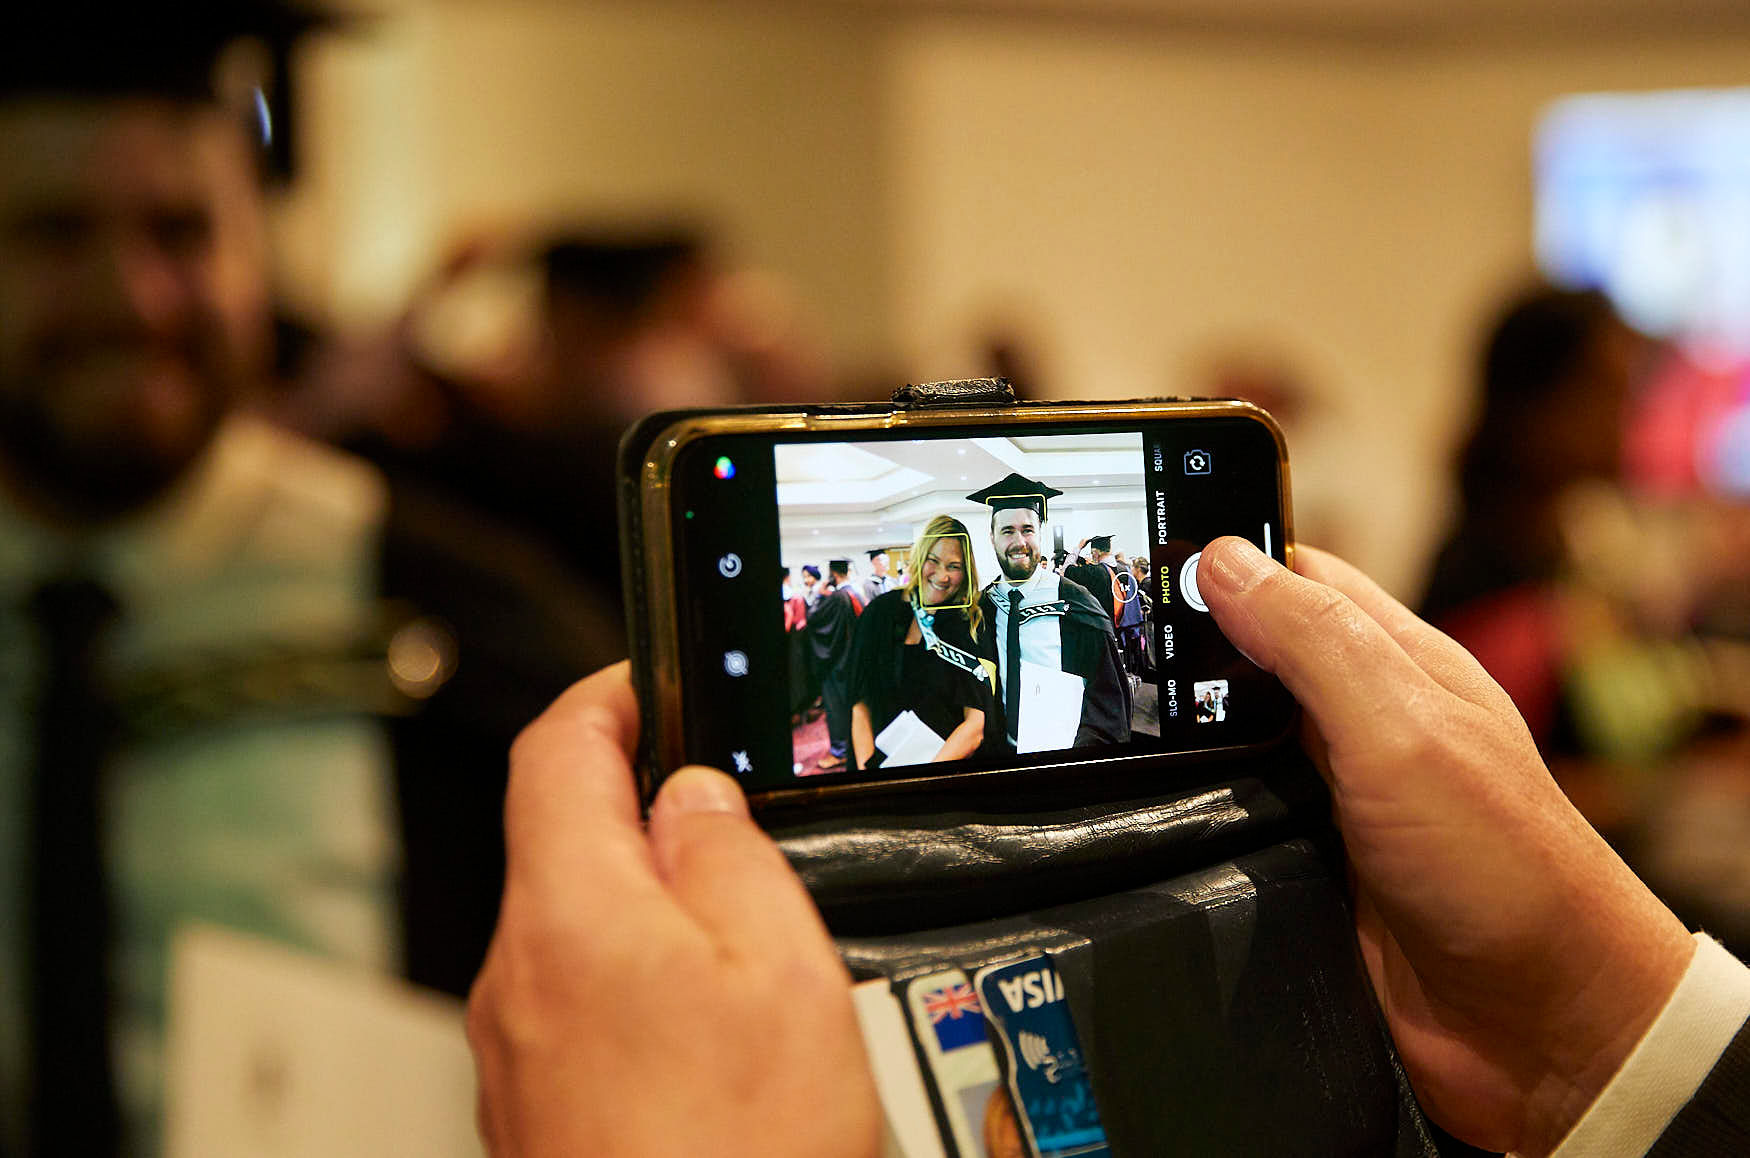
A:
(891, 606)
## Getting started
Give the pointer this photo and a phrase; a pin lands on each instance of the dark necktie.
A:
(73, 1107)
(1012, 678)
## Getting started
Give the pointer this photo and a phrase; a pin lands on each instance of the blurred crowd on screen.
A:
(275, 597)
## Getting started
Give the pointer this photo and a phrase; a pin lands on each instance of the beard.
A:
(1019, 563)
(87, 449)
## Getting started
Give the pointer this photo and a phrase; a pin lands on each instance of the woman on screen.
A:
(922, 682)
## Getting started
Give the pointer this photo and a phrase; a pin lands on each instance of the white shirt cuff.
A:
(1670, 1062)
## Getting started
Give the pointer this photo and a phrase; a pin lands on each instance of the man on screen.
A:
(879, 581)
(1098, 574)
(1056, 647)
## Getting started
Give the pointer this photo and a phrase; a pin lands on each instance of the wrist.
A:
(1607, 1016)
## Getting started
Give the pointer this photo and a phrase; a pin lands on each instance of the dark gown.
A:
(832, 625)
(1096, 578)
(1090, 650)
(889, 676)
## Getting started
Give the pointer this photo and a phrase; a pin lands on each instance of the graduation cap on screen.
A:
(1101, 542)
(1016, 491)
(874, 551)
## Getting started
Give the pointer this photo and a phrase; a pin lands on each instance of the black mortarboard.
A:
(78, 47)
(839, 566)
(1016, 491)
(1101, 542)
(173, 50)
(874, 551)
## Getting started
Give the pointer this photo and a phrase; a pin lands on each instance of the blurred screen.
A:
(1646, 197)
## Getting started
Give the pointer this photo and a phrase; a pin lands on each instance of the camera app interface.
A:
(974, 601)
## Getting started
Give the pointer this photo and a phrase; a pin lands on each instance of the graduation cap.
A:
(80, 47)
(874, 551)
(839, 566)
(1016, 491)
(233, 52)
(1101, 542)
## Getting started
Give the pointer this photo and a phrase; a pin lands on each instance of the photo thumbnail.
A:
(1211, 697)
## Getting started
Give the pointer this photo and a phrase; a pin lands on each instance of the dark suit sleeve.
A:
(1717, 1119)
(523, 630)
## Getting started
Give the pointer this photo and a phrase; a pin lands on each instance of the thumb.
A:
(1333, 657)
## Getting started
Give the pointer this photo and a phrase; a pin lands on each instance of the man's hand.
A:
(669, 993)
(1518, 960)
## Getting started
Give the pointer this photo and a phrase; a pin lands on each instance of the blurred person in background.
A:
(803, 693)
(1556, 374)
(1139, 643)
(879, 582)
(517, 366)
(811, 589)
(240, 681)
(1606, 616)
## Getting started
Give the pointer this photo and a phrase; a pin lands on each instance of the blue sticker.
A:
(1047, 1074)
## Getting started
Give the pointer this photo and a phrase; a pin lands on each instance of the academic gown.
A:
(1097, 579)
(1089, 650)
(831, 630)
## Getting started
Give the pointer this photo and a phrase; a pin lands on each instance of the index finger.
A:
(573, 827)
(1433, 650)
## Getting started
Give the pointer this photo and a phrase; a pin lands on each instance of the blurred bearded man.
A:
(208, 711)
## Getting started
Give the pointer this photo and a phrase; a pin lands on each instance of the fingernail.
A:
(702, 790)
(1241, 566)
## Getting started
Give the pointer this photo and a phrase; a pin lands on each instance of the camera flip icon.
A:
(1197, 462)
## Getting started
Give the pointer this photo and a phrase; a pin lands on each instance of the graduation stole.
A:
(964, 660)
(1034, 611)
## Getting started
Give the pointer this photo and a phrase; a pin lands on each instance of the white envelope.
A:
(1051, 709)
(276, 1054)
(908, 740)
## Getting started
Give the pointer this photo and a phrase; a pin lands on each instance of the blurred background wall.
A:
(1128, 193)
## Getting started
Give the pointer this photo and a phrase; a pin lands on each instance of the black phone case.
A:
(1203, 933)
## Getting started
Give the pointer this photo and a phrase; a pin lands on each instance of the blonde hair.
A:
(939, 528)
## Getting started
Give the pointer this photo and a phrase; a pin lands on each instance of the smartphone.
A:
(858, 599)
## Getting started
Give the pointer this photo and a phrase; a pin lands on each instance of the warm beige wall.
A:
(1147, 196)
(1135, 196)
(453, 113)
